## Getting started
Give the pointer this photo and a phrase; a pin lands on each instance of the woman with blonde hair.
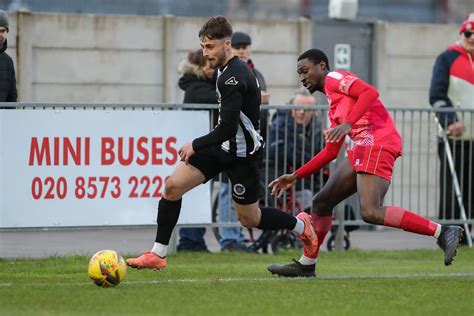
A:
(197, 82)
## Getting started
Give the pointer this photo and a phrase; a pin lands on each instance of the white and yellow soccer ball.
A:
(107, 268)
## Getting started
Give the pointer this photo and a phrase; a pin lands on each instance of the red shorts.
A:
(374, 159)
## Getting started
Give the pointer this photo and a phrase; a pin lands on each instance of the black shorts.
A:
(242, 172)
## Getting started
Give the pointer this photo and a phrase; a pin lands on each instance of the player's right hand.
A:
(283, 183)
(186, 152)
(337, 133)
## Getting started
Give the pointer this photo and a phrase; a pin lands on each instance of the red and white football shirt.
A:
(375, 127)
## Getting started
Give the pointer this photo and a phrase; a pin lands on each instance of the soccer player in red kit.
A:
(356, 111)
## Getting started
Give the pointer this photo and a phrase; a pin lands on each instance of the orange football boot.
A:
(149, 260)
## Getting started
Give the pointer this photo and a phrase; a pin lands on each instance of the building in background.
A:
(412, 11)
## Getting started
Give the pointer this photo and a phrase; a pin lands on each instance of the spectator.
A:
(8, 92)
(232, 238)
(300, 130)
(197, 81)
(241, 43)
(452, 86)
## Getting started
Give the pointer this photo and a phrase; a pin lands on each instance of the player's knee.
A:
(172, 191)
(369, 214)
(248, 220)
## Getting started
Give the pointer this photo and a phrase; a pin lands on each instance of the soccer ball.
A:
(107, 268)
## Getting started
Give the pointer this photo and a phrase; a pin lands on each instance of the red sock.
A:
(321, 225)
(400, 218)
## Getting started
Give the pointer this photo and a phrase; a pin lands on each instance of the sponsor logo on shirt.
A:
(231, 81)
(345, 83)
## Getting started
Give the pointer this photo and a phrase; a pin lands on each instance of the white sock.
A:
(437, 232)
(307, 261)
(160, 249)
(299, 227)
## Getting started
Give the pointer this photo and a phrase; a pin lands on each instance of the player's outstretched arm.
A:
(325, 156)
(287, 181)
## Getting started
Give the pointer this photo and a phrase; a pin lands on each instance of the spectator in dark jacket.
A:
(8, 92)
(452, 86)
(197, 79)
(197, 82)
(295, 138)
(241, 43)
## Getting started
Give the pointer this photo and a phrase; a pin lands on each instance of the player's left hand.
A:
(283, 183)
(337, 133)
(186, 152)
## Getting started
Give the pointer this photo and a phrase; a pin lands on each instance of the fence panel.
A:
(423, 179)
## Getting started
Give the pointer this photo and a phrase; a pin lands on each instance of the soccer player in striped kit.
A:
(234, 146)
(356, 111)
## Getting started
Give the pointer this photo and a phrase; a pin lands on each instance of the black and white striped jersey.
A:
(238, 129)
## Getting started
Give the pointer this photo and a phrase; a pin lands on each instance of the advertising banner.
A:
(94, 167)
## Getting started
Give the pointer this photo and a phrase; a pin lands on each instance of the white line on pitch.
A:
(328, 277)
(217, 280)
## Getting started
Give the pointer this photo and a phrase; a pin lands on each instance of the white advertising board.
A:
(94, 167)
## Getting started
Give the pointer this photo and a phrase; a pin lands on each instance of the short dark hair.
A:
(216, 28)
(315, 56)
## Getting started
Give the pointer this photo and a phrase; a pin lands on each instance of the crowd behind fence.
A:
(423, 179)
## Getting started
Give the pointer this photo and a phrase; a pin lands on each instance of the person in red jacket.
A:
(452, 87)
(356, 111)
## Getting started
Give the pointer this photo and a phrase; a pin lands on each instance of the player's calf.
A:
(448, 237)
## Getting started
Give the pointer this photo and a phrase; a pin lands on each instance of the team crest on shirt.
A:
(345, 82)
(239, 189)
(231, 81)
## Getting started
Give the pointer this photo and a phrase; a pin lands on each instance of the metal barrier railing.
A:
(434, 178)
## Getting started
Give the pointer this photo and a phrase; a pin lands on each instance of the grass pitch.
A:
(350, 283)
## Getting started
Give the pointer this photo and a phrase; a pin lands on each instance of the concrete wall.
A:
(93, 58)
(134, 59)
(405, 57)
(86, 58)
